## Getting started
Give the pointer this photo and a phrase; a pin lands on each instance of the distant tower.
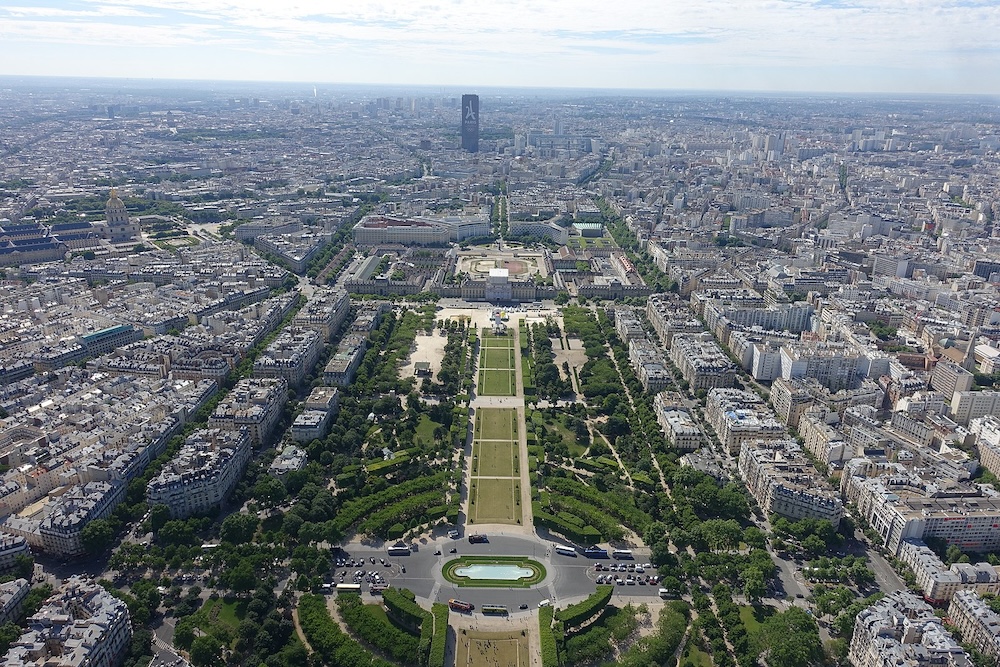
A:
(121, 228)
(470, 123)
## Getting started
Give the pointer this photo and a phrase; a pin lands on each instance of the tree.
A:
(24, 566)
(206, 651)
(238, 528)
(159, 514)
(269, 491)
(98, 535)
(176, 532)
(790, 639)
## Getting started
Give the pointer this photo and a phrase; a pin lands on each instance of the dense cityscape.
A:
(344, 375)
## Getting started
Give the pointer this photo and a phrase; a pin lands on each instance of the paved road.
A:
(569, 579)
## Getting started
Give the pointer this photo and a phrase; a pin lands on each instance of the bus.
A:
(376, 589)
(494, 610)
(461, 606)
(397, 550)
(565, 551)
(622, 554)
(595, 552)
(348, 588)
(474, 539)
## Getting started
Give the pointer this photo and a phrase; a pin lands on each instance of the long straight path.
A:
(519, 438)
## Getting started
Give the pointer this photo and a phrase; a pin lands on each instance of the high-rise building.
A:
(470, 123)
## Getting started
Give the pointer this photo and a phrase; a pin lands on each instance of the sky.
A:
(912, 46)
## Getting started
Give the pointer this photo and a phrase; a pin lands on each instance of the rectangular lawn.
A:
(496, 424)
(496, 383)
(495, 458)
(502, 358)
(495, 501)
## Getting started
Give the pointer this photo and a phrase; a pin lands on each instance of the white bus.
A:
(565, 551)
(622, 554)
(348, 588)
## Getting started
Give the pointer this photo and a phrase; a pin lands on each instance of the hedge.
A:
(402, 607)
(585, 535)
(375, 629)
(550, 653)
(403, 509)
(353, 510)
(439, 643)
(383, 465)
(581, 612)
(620, 506)
(326, 638)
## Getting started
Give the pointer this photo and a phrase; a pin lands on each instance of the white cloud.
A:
(625, 42)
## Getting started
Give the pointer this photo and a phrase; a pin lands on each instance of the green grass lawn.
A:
(495, 458)
(752, 617)
(495, 502)
(496, 424)
(496, 383)
(568, 437)
(425, 430)
(497, 358)
(695, 656)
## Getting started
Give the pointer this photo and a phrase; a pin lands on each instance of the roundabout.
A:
(494, 572)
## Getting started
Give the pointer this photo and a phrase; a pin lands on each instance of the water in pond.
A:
(498, 572)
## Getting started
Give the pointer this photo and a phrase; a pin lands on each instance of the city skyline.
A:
(861, 47)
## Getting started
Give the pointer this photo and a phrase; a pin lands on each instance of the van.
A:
(544, 603)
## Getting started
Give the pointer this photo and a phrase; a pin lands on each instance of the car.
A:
(522, 606)
(402, 569)
(373, 560)
(453, 534)
(640, 569)
(630, 582)
(453, 551)
(799, 595)
(437, 552)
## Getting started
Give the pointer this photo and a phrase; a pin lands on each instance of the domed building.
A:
(121, 228)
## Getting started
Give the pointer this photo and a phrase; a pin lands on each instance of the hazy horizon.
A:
(774, 46)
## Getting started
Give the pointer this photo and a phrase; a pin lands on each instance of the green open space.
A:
(489, 649)
(496, 424)
(500, 358)
(695, 656)
(497, 383)
(495, 501)
(493, 458)
(752, 617)
(537, 576)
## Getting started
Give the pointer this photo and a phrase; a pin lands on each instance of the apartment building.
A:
(969, 405)
(669, 315)
(739, 416)
(12, 546)
(81, 625)
(901, 629)
(254, 404)
(948, 377)
(12, 594)
(976, 622)
(677, 425)
(325, 311)
(291, 356)
(783, 482)
(649, 365)
(821, 439)
(703, 364)
(938, 582)
(205, 470)
(343, 363)
(897, 505)
(834, 365)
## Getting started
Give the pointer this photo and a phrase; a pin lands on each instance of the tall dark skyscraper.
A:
(470, 123)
